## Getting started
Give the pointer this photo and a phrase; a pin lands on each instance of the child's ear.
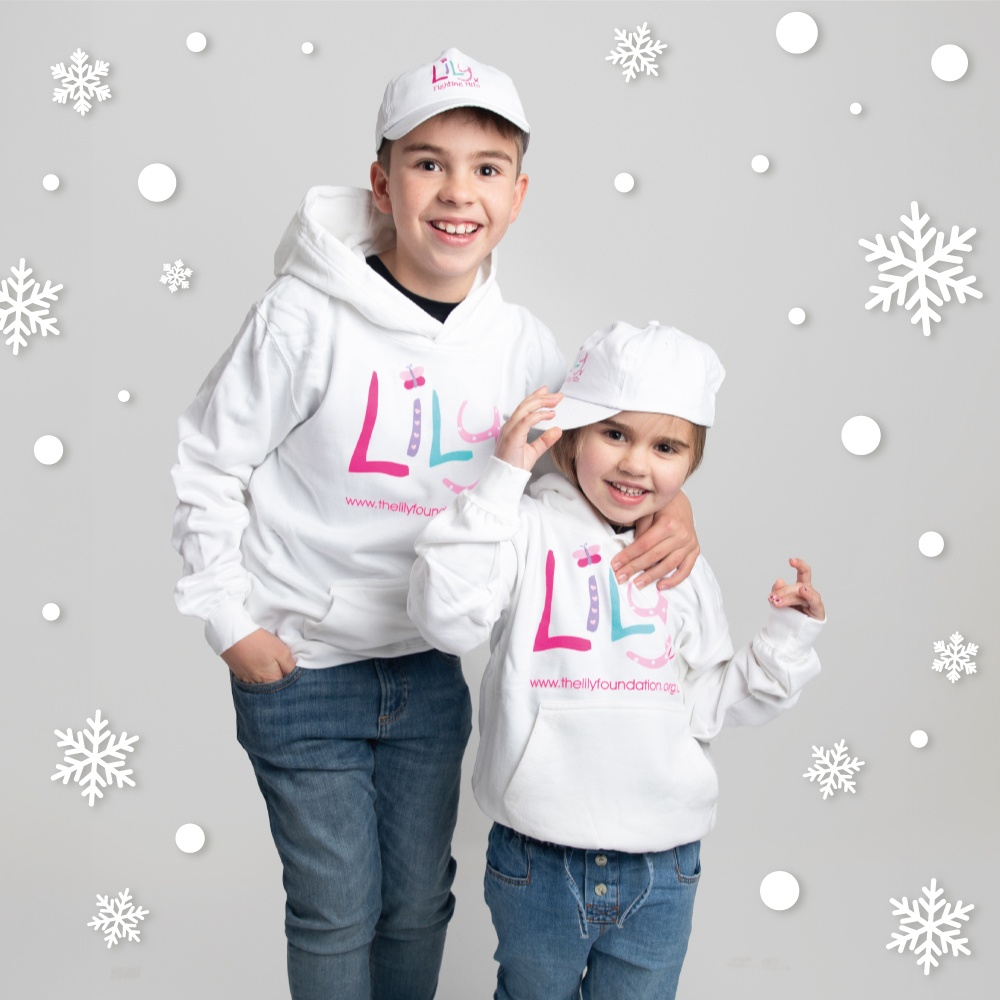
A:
(520, 189)
(380, 188)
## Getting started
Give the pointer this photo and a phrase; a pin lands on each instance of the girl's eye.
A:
(613, 435)
(667, 449)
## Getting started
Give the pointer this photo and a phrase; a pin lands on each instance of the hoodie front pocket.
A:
(364, 615)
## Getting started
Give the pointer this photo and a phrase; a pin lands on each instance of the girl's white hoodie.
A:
(599, 701)
(341, 418)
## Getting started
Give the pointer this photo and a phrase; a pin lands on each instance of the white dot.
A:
(190, 838)
(50, 612)
(760, 163)
(797, 316)
(307, 48)
(796, 33)
(50, 182)
(196, 41)
(124, 396)
(918, 738)
(779, 890)
(624, 183)
(949, 62)
(931, 544)
(48, 449)
(856, 108)
(157, 182)
(861, 435)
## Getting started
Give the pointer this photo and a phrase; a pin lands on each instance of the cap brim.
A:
(407, 124)
(572, 413)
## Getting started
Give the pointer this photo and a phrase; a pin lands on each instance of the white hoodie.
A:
(339, 420)
(598, 701)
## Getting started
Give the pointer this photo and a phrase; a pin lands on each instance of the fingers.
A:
(656, 553)
(801, 594)
(802, 570)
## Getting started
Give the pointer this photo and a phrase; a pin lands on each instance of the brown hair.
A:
(567, 449)
(480, 117)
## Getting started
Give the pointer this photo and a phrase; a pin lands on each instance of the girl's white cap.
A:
(453, 80)
(656, 369)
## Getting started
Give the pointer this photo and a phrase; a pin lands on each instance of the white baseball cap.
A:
(453, 80)
(657, 369)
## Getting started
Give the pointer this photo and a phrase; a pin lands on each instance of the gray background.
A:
(702, 242)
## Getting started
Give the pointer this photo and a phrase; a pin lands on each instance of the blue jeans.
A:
(624, 919)
(360, 767)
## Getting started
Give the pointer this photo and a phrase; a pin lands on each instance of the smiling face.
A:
(452, 189)
(633, 464)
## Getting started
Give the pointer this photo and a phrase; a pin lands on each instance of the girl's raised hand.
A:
(799, 595)
(512, 444)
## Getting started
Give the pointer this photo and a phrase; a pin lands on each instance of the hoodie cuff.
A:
(500, 488)
(791, 631)
(227, 624)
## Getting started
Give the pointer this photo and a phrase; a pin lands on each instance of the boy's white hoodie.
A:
(599, 700)
(340, 419)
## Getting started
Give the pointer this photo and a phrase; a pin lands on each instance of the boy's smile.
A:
(452, 190)
(633, 464)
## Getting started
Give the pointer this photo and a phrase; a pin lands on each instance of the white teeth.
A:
(628, 490)
(460, 230)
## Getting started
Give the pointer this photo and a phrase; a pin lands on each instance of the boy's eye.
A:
(488, 170)
(427, 165)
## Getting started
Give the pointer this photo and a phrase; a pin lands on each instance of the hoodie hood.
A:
(326, 243)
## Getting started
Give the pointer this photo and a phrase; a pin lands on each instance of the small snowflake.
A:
(956, 657)
(833, 769)
(929, 933)
(109, 757)
(117, 918)
(175, 275)
(34, 308)
(635, 52)
(81, 81)
(919, 269)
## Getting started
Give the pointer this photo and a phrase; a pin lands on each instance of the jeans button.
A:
(600, 889)
(601, 860)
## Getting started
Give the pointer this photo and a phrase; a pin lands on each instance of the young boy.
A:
(362, 393)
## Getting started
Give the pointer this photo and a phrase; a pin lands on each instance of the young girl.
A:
(600, 699)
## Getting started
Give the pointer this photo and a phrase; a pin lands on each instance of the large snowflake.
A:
(635, 51)
(920, 269)
(94, 756)
(833, 769)
(175, 275)
(955, 657)
(24, 307)
(932, 932)
(117, 918)
(81, 81)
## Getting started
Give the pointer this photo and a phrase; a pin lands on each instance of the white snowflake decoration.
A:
(929, 933)
(920, 269)
(117, 918)
(175, 275)
(21, 299)
(81, 81)
(108, 757)
(833, 770)
(955, 657)
(635, 52)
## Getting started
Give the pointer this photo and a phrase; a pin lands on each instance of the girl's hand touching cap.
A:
(512, 445)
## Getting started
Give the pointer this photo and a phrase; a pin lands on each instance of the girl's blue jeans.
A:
(604, 925)
(360, 768)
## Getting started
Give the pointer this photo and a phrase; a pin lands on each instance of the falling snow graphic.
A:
(175, 275)
(25, 304)
(635, 52)
(80, 81)
(833, 769)
(920, 269)
(117, 918)
(955, 657)
(108, 757)
(932, 932)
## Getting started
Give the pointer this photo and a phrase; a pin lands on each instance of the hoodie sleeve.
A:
(243, 410)
(466, 567)
(753, 685)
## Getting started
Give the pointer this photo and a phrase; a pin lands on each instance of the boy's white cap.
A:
(453, 80)
(657, 369)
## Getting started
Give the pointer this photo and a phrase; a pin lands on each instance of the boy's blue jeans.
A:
(624, 918)
(360, 767)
